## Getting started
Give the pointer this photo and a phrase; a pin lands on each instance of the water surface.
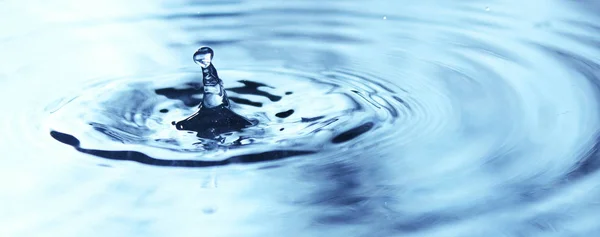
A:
(386, 118)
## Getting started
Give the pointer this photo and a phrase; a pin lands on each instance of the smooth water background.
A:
(500, 139)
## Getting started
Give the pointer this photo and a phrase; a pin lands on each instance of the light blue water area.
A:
(373, 118)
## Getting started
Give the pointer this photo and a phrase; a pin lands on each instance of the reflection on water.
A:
(423, 118)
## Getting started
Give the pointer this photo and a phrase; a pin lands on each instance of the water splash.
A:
(214, 116)
(490, 128)
(136, 115)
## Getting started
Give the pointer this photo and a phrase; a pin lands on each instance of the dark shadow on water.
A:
(251, 88)
(352, 133)
(285, 114)
(245, 101)
(185, 95)
(148, 160)
(306, 120)
(191, 93)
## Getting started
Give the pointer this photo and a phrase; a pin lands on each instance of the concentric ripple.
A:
(131, 118)
(374, 118)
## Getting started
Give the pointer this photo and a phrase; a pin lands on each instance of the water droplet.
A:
(487, 9)
(385, 17)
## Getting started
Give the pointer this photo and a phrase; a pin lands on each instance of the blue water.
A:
(379, 118)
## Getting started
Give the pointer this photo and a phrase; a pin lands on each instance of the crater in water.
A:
(296, 114)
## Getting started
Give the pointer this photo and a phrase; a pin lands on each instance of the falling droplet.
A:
(487, 9)
(385, 17)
